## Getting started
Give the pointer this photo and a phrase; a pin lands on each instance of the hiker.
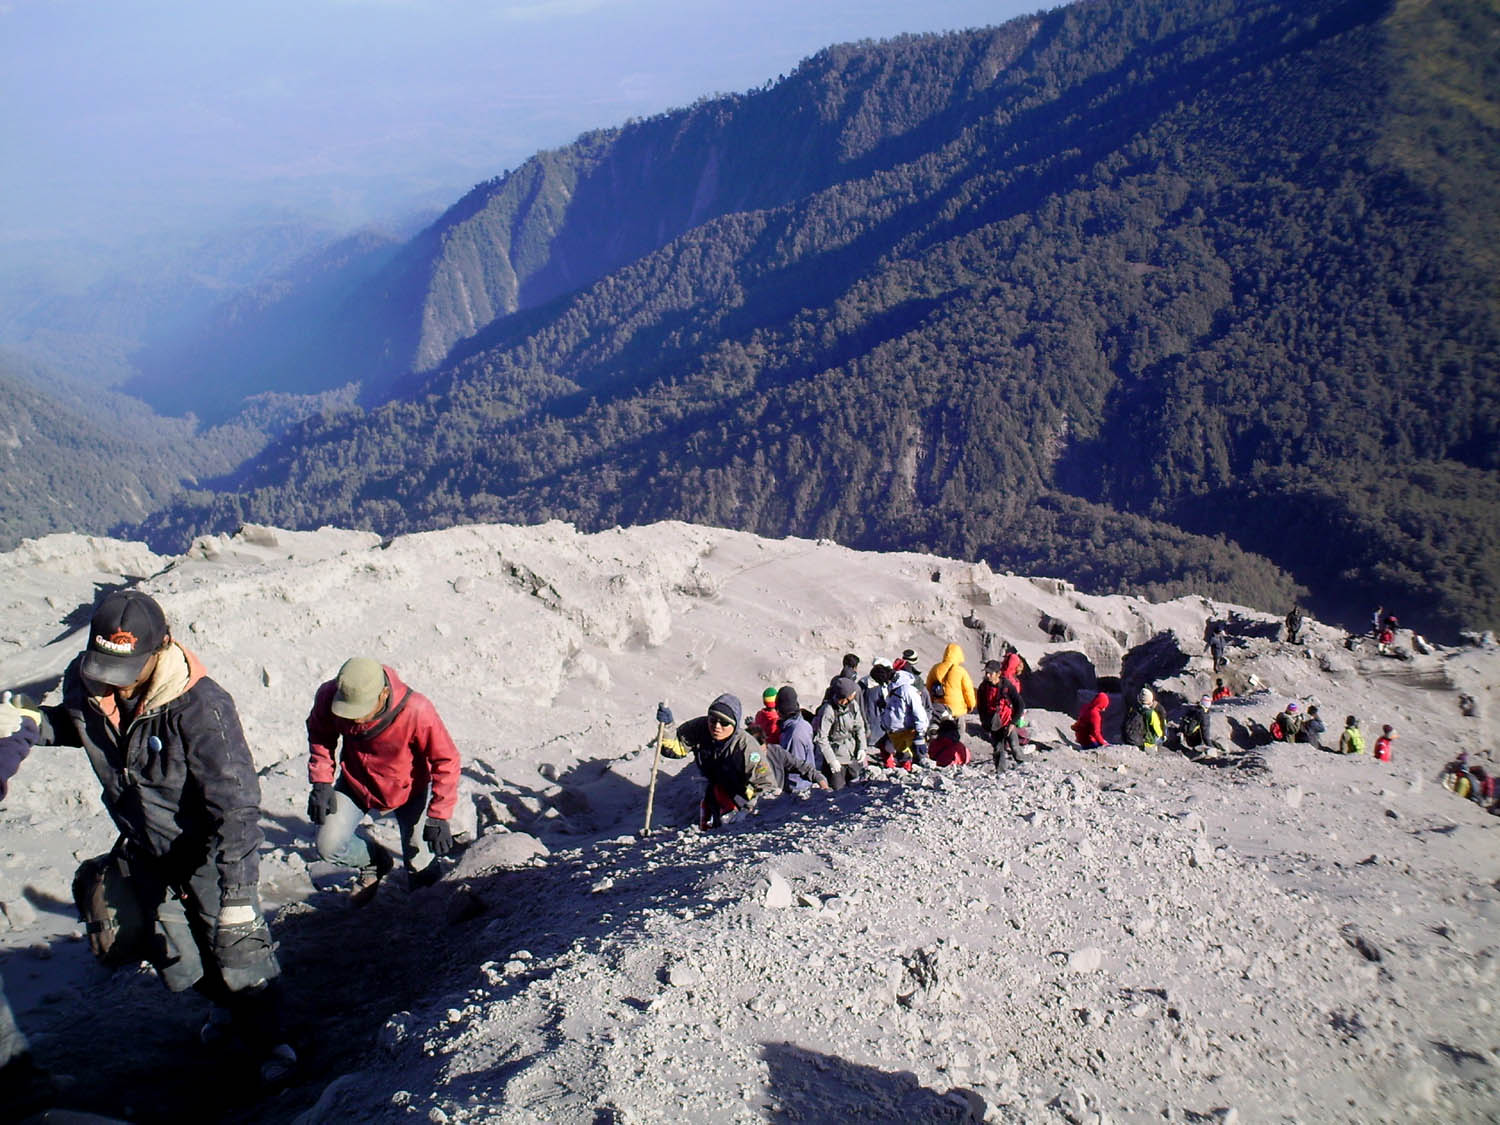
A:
(999, 699)
(1383, 743)
(1217, 642)
(796, 736)
(850, 670)
(766, 726)
(179, 783)
(25, 1087)
(958, 686)
(839, 733)
(1294, 625)
(1351, 741)
(872, 695)
(736, 771)
(1312, 726)
(1221, 692)
(905, 721)
(1089, 727)
(1287, 724)
(1001, 712)
(1011, 667)
(1376, 619)
(397, 757)
(948, 748)
(1145, 723)
(1194, 729)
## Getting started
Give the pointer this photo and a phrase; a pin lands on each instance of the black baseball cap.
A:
(128, 626)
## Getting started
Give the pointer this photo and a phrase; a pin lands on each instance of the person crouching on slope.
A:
(1089, 727)
(736, 770)
(948, 747)
(396, 757)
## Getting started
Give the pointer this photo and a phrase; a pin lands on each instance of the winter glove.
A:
(664, 714)
(242, 942)
(438, 837)
(14, 709)
(321, 802)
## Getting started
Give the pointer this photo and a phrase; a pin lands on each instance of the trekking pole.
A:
(663, 717)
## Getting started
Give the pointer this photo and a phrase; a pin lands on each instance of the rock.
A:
(19, 912)
(394, 1032)
(499, 849)
(1193, 822)
(683, 975)
(779, 894)
(1293, 797)
(808, 900)
(464, 905)
(266, 678)
(1360, 943)
(601, 886)
(1085, 960)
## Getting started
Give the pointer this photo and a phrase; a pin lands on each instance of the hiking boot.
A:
(368, 884)
(277, 1068)
(426, 877)
(217, 1029)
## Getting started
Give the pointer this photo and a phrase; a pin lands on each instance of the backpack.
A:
(1134, 728)
(1276, 732)
(1191, 728)
(1356, 740)
(119, 929)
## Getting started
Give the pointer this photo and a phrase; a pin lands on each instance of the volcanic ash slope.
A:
(1098, 936)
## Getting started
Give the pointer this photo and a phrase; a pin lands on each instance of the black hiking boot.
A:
(368, 885)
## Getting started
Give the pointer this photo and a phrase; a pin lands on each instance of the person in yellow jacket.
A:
(958, 688)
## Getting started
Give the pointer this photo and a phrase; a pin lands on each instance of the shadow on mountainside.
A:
(132, 1049)
(810, 1086)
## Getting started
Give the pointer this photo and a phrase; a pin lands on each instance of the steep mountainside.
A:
(1101, 292)
(77, 456)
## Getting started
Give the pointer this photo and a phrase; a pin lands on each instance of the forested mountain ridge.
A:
(1186, 275)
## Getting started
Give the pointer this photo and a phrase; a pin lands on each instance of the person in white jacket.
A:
(905, 719)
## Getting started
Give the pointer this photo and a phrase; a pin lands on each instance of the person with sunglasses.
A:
(737, 771)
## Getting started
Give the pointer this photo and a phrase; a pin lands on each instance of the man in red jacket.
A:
(396, 757)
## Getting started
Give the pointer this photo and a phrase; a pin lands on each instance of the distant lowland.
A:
(1158, 296)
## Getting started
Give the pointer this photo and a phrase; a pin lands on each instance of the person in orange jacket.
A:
(958, 686)
(396, 757)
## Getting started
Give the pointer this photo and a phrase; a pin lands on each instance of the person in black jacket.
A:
(179, 782)
(736, 769)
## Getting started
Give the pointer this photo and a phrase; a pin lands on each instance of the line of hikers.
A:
(892, 717)
(180, 887)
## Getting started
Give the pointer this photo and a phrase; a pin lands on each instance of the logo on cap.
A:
(118, 643)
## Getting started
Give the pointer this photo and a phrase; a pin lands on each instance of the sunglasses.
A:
(715, 721)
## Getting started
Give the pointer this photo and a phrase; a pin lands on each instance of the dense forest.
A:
(1156, 295)
(75, 456)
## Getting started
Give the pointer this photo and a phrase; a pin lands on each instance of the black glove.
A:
(438, 837)
(664, 714)
(242, 942)
(321, 802)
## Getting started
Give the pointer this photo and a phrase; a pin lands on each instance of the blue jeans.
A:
(339, 842)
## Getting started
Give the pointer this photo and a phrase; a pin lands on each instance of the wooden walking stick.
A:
(663, 717)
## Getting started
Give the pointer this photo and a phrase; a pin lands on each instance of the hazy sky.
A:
(123, 115)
